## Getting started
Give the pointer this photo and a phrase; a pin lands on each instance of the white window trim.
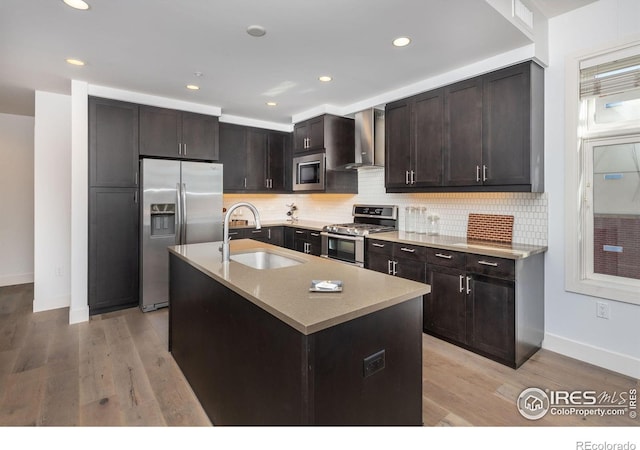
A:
(576, 280)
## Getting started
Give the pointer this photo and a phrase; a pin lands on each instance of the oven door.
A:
(347, 249)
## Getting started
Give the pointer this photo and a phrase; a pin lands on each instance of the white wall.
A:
(52, 201)
(16, 192)
(570, 319)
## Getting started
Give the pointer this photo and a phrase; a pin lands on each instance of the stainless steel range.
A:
(345, 241)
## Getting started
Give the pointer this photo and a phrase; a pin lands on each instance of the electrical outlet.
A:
(373, 363)
(602, 310)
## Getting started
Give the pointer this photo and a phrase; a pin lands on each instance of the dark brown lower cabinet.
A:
(247, 367)
(492, 306)
(445, 313)
(113, 249)
(307, 241)
(270, 235)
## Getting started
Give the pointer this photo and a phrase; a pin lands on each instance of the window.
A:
(603, 182)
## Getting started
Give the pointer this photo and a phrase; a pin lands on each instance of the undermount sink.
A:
(262, 260)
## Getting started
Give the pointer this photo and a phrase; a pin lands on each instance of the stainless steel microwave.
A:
(309, 172)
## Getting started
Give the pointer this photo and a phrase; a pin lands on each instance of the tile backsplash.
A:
(529, 209)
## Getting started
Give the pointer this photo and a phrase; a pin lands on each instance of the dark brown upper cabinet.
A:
(463, 133)
(171, 133)
(254, 159)
(492, 135)
(513, 128)
(113, 143)
(414, 141)
(309, 135)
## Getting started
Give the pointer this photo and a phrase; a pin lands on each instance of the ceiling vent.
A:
(523, 13)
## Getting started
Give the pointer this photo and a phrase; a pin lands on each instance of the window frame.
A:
(579, 276)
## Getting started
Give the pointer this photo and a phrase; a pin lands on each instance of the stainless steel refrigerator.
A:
(181, 204)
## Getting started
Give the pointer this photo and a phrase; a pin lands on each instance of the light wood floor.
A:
(115, 370)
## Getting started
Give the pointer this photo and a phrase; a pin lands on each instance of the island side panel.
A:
(344, 395)
(244, 365)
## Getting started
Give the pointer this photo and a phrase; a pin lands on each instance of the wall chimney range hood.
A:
(369, 140)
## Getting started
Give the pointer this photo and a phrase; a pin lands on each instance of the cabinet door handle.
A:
(408, 250)
(389, 266)
(375, 244)
(441, 255)
(245, 183)
(395, 267)
(269, 233)
(406, 177)
(487, 263)
(461, 283)
(468, 285)
(484, 173)
(135, 196)
(477, 174)
(179, 148)
(233, 233)
(413, 177)
(184, 147)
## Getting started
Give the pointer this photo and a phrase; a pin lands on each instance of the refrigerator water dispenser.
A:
(163, 219)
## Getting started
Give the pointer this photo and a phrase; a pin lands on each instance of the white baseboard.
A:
(617, 362)
(10, 280)
(78, 315)
(62, 301)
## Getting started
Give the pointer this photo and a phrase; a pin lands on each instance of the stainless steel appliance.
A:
(345, 242)
(309, 172)
(181, 204)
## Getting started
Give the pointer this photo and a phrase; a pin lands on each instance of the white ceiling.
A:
(156, 46)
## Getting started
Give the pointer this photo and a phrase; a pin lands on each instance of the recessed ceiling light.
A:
(401, 41)
(193, 87)
(75, 62)
(325, 78)
(256, 30)
(198, 74)
(77, 4)
(272, 104)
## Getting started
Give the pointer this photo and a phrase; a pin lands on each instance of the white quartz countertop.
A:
(461, 244)
(307, 224)
(454, 243)
(284, 292)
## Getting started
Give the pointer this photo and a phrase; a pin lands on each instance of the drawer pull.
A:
(315, 234)
(299, 232)
(377, 245)
(408, 250)
(487, 263)
(256, 231)
(440, 255)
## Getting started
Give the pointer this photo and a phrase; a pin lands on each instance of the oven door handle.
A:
(345, 237)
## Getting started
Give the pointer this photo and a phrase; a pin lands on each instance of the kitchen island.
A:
(259, 348)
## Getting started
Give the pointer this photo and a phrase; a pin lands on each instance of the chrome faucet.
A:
(225, 242)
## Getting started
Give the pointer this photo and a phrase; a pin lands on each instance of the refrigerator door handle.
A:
(184, 213)
(178, 214)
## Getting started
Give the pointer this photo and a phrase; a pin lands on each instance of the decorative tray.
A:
(326, 286)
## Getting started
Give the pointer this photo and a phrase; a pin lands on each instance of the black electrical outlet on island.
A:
(373, 363)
